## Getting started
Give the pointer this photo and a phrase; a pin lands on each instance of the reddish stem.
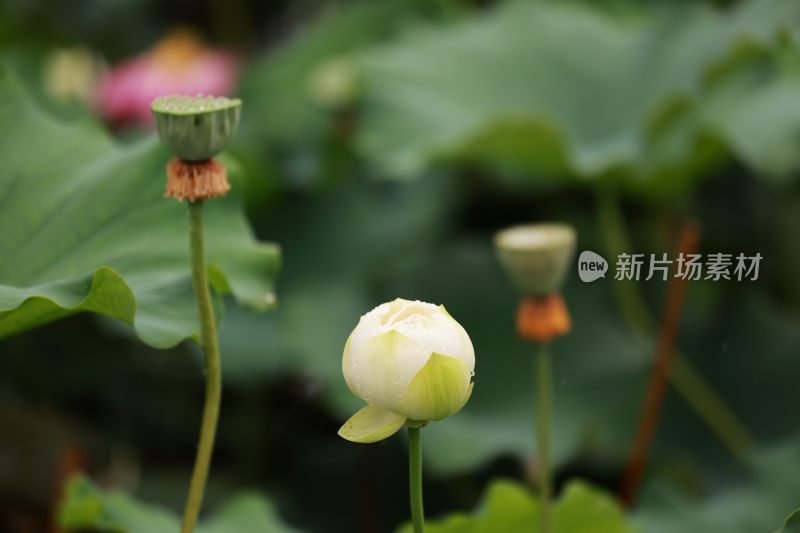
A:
(657, 386)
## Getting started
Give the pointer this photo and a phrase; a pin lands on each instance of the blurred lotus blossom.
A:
(178, 64)
(334, 83)
(70, 74)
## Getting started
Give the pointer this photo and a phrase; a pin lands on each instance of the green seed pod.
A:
(536, 256)
(196, 128)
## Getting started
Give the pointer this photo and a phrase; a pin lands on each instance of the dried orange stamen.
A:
(195, 181)
(543, 319)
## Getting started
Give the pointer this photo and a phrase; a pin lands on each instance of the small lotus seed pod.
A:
(411, 362)
(536, 256)
(196, 128)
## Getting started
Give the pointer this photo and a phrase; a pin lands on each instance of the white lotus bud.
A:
(411, 362)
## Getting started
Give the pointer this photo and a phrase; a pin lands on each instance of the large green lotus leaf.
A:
(754, 500)
(566, 89)
(85, 229)
(85, 507)
(755, 114)
(509, 506)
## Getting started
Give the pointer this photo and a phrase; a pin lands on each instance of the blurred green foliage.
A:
(86, 507)
(763, 492)
(277, 86)
(553, 90)
(508, 506)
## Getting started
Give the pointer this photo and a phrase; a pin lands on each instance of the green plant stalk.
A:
(415, 478)
(711, 408)
(210, 344)
(544, 410)
(689, 383)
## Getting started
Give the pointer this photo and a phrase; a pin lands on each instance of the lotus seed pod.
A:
(411, 362)
(536, 256)
(196, 128)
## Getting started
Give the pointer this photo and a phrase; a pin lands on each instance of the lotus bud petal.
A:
(536, 256)
(411, 362)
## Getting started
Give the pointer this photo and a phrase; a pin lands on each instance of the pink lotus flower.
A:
(178, 64)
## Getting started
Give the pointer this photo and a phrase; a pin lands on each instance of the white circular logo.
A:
(591, 266)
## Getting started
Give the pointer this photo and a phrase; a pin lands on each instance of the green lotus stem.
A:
(711, 408)
(210, 344)
(611, 222)
(544, 410)
(689, 383)
(415, 478)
